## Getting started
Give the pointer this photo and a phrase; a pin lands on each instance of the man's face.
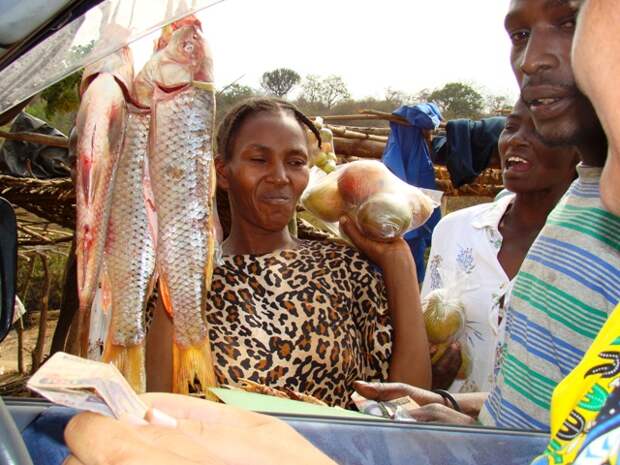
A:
(596, 61)
(541, 32)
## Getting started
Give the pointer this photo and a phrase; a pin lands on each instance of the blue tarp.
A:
(407, 155)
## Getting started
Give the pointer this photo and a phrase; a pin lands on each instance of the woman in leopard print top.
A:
(312, 316)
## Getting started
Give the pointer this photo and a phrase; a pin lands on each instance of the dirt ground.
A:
(8, 347)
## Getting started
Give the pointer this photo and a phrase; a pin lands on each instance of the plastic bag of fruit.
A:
(383, 206)
(445, 319)
(323, 153)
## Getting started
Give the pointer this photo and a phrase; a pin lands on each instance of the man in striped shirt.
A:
(570, 280)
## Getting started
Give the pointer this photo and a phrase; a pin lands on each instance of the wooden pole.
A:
(43, 139)
(68, 304)
(362, 117)
(359, 148)
(20, 324)
(37, 353)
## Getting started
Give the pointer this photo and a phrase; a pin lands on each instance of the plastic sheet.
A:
(86, 40)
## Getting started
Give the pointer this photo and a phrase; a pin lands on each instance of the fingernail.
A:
(344, 220)
(159, 418)
(133, 420)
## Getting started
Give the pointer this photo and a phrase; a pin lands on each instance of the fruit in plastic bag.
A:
(324, 200)
(361, 179)
(383, 206)
(444, 318)
(384, 215)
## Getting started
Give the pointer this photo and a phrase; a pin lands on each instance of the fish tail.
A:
(130, 361)
(192, 369)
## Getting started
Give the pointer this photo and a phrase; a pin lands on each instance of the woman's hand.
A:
(447, 366)
(181, 431)
(470, 403)
(383, 254)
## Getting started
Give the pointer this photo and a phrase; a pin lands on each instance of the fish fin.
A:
(130, 361)
(192, 369)
(165, 295)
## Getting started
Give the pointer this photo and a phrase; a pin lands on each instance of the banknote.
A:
(87, 385)
(396, 409)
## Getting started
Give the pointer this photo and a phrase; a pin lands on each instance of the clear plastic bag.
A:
(445, 319)
(383, 206)
(323, 154)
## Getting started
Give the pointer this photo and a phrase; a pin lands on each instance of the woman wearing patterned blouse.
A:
(482, 247)
(304, 315)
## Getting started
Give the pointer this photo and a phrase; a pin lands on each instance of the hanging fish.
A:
(183, 182)
(130, 245)
(130, 255)
(100, 126)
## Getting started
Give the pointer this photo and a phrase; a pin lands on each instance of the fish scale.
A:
(100, 125)
(182, 177)
(130, 254)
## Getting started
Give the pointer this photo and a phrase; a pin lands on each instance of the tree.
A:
(280, 82)
(230, 95)
(327, 92)
(458, 100)
(499, 104)
(397, 97)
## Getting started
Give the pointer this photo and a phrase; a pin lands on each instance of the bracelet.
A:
(450, 398)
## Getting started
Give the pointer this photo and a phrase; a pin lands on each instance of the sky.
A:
(406, 45)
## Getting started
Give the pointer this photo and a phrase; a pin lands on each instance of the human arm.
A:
(446, 367)
(181, 430)
(470, 403)
(410, 360)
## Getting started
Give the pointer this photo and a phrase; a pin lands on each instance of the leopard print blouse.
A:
(313, 319)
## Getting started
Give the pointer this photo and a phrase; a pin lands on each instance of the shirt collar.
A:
(490, 217)
(589, 174)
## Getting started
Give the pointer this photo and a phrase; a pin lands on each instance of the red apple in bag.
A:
(361, 179)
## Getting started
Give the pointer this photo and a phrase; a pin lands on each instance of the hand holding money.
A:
(86, 385)
(396, 409)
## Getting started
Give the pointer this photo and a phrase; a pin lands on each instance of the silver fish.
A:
(183, 181)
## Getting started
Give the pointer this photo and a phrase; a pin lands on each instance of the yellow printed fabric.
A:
(577, 400)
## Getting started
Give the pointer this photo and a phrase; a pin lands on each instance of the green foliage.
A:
(63, 96)
(499, 104)
(229, 96)
(280, 82)
(458, 100)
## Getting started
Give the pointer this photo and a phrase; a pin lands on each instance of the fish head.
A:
(186, 58)
(166, 32)
(119, 64)
(182, 58)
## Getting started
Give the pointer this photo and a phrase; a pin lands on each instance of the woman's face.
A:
(596, 63)
(527, 164)
(267, 170)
